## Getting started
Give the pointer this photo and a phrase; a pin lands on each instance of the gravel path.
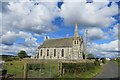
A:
(110, 70)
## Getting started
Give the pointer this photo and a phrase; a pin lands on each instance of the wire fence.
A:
(42, 70)
(57, 70)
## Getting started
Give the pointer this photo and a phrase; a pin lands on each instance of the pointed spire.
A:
(76, 30)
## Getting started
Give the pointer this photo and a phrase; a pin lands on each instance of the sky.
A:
(25, 23)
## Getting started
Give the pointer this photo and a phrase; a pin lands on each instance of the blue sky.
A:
(25, 24)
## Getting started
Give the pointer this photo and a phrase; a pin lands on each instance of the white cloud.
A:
(14, 49)
(74, 0)
(96, 34)
(113, 45)
(25, 20)
(84, 0)
(10, 37)
(105, 50)
(29, 17)
(100, 0)
(116, 31)
(9, 45)
(96, 14)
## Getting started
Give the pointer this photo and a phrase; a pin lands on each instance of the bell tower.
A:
(76, 44)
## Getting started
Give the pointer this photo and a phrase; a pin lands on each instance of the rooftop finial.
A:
(46, 37)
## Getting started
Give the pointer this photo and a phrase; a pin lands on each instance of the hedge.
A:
(79, 67)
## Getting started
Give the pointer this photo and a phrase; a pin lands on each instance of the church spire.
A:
(76, 30)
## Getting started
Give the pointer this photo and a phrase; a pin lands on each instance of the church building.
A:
(62, 48)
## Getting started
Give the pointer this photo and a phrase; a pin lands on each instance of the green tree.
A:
(90, 56)
(22, 54)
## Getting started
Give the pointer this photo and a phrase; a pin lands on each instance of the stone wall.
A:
(77, 48)
(67, 53)
(74, 52)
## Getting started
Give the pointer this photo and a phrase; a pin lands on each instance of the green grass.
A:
(49, 70)
(91, 73)
(117, 62)
(14, 67)
(88, 74)
(17, 68)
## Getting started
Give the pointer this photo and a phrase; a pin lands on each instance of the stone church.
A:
(62, 48)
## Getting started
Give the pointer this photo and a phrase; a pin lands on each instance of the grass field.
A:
(89, 74)
(51, 70)
(15, 67)
(117, 61)
(45, 70)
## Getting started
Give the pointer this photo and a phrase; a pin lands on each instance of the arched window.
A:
(47, 52)
(41, 52)
(62, 52)
(54, 52)
(75, 41)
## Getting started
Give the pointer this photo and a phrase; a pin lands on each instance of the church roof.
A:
(57, 43)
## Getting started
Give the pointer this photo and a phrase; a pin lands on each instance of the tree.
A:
(103, 60)
(22, 54)
(90, 56)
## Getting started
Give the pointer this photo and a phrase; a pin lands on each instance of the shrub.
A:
(104, 61)
(97, 62)
(16, 58)
(77, 67)
(90, 56)
(34, 67)
(8, 59)
(11, 64)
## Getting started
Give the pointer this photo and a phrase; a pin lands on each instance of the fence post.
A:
(25, 71)
(63, 71)
(60, 69)
(50, 70)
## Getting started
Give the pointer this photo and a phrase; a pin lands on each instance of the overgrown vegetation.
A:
(15, 68)
(90, 56)
(81, 70)
(9, 58)
(117, 60)
(47, 69)
(77, 67)
(103, 60)
(22, 54)
(42, 70)
(97, 62)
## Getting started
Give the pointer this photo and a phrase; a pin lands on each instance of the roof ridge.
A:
(59, 38)
(58, 42)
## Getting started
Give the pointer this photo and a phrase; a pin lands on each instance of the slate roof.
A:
(57, 43)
